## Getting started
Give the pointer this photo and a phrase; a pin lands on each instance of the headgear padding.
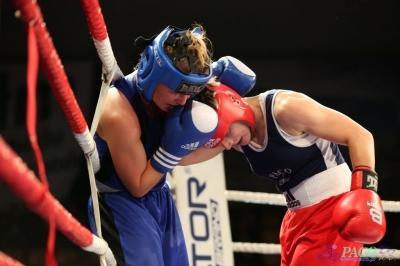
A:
(156, 67)
(231, 108)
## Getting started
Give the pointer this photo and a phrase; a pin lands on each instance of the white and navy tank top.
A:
(289, 160)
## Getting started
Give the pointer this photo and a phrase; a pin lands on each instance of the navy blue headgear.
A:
(155, 66)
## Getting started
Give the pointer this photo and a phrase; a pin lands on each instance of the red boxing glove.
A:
(359, 215)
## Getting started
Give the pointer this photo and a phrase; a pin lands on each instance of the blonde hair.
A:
(199, 47)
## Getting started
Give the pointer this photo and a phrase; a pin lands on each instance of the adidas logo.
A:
(212, 142)
(191, 146)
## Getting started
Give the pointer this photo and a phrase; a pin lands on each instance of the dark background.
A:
(344, 54)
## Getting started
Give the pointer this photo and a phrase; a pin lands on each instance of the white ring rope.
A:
(111, 73)
(106, 55)
(85, 140)
(261, 248)
(255, 197)
(279, 199)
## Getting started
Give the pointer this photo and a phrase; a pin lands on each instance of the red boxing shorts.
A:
(308, 237)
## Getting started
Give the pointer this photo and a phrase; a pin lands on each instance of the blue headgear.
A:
(156, 66)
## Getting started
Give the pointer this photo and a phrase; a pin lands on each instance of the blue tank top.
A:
(152, 131)
(288, 160)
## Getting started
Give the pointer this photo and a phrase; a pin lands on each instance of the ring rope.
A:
(31, 14)
(111, 72)
(6, 260)
(279, 199)
(31, 118)
(261, 248)
(98, 30)
(23, 182)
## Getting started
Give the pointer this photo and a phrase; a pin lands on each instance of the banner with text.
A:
(203, 209)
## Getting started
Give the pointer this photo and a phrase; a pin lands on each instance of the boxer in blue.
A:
(144, 130)
(147, 126)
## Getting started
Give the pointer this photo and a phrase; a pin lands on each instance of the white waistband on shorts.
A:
(332, 182)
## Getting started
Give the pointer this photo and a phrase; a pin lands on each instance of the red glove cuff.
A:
(364, 177)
